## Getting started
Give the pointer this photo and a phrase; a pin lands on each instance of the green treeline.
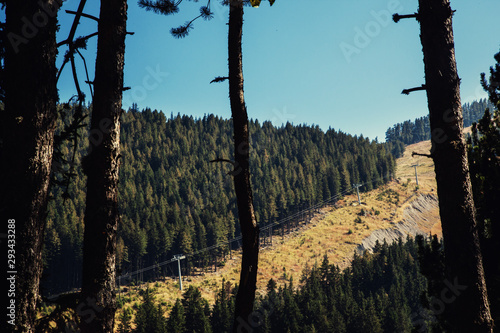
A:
(383, 291)
(484, 162)
(378, 293)
(409, 132)
(174, 200)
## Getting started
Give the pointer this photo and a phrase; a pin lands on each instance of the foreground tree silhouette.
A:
(27, 142)
(249, 228)
(101, 166)
(469, 310)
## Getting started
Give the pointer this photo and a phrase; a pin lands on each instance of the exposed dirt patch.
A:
(420, 217)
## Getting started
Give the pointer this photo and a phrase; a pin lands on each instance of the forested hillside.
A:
(174, 200)
(383, 291)
(418, 130)
(398, 287)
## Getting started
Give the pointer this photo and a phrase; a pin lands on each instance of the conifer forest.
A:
(150, 184)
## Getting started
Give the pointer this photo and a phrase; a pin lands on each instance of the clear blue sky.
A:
(339, 64)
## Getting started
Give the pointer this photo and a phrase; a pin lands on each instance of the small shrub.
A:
(120, 302)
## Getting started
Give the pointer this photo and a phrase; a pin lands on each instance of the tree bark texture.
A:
(469, 312)
(98, 304)
(241, 174)
(27, 141)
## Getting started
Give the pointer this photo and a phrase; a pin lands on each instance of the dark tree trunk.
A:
(469, 312)
(27, 142)
(248, 224)
(101, 166)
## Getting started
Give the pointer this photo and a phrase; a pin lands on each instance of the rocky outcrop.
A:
(418, 219)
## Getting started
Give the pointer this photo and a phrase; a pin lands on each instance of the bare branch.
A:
(397, 17)
(86, 73)
(81, 39)
(84, 15)
(80, 94)
(223, 160)
(219, 79)
(408, 91)
(420, 154)
(71, 35)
